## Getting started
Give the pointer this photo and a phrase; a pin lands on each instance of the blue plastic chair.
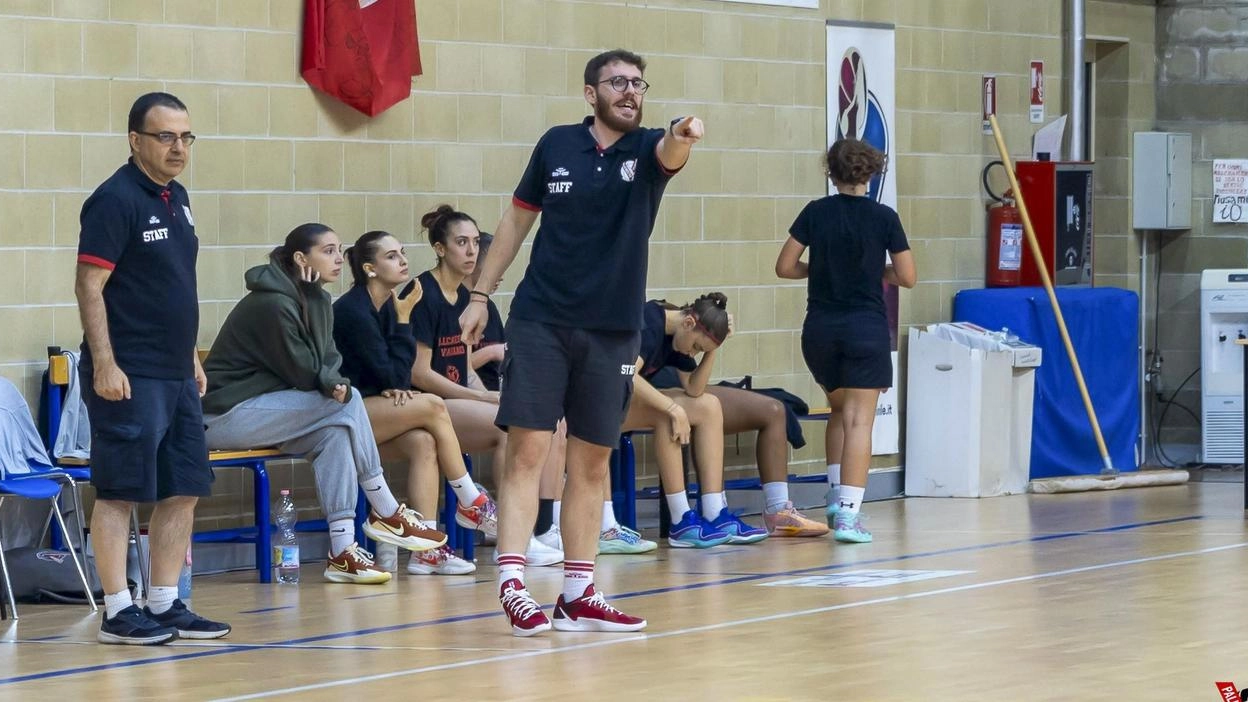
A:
(36, 487)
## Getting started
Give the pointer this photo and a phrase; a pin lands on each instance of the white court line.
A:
(306, 647)
(724, 625)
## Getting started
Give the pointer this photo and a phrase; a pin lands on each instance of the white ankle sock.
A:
(555, 510)
(510, 567)
(379, 496)
(850, 499)
(118, 601)
(834, 475)
(577, 577)
(677, 504)
(608, 515)
(160, 598)
(776, 494)
(712, 504)
(465, 490)
(341, 535)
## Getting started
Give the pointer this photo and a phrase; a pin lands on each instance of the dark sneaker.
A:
(133, 626)
(189, 624)
(592, 613)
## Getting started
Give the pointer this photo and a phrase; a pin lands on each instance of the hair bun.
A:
(718, 299)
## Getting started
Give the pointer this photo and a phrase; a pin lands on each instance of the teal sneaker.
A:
(621, 539)
(692, 531)
(738, 531)
(848, 528)
(834, 505)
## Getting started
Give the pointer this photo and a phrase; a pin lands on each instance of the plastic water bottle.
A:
(184, 580)
(285, 543)
(387, 557)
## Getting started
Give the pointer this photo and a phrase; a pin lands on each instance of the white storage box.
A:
(968, 412)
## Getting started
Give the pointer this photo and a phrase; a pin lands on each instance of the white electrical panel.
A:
(1161, 168)
(1223, 320)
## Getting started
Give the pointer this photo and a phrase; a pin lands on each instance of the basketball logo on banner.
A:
(859, 115)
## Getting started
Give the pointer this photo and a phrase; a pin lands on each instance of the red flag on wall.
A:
(362, 52)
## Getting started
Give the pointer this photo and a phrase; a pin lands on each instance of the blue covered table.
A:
(1104, 328)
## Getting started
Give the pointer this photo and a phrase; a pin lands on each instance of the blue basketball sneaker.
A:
(738, 531)
(834, 505)
(692, 531)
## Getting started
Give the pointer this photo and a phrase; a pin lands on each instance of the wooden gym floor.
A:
(1130, 594)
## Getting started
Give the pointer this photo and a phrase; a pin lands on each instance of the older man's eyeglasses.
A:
(167, 138)
(620, 84)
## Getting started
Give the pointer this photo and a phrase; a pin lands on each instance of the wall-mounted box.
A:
(1161, 169)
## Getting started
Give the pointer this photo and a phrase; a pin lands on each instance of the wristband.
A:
(484, 296)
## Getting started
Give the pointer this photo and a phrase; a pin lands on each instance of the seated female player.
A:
(672, 336)
(274, 380)
(372, 329)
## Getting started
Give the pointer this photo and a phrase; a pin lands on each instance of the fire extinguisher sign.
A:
(1010, 255)
(1037, 92)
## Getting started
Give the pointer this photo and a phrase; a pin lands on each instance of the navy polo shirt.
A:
(144, 233)
(588, 264)
(656, 344)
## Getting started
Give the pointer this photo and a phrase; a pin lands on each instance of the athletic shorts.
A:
(848, 350)
(551, 372)
(151, 446)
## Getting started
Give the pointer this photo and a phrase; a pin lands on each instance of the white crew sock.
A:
(118, 601)
(608, 516)
(850, 499)
(341, 535)
(465, 490)
(379, 496)
(712, 504)
(160, 598)
(776, 494)
(834, 475)
(677, 504)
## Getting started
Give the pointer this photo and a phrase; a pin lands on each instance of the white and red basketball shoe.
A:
(590, 612)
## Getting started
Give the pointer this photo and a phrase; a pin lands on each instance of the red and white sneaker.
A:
(481, 515)
(591, 612)
(522, 610)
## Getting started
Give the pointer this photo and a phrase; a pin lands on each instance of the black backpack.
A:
(44, 575)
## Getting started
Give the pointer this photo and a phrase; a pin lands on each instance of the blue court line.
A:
(640, 593)
(369, 597)
(49, 638)
(266, 609)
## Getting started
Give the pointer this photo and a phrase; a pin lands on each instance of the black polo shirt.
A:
(656, 344)
(588, 264)
(847, 236)
(144, 233)
(435, 323)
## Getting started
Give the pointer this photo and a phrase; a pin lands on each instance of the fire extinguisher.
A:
(1004, 259)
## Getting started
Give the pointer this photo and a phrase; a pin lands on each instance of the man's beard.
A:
(603, 115)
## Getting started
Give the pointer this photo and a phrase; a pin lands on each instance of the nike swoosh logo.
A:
(373, 490)
(397, 531)
(344, 567)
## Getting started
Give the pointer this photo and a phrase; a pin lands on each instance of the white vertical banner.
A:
(862, 99)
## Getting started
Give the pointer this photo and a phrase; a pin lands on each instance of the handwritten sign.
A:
(1230, 189)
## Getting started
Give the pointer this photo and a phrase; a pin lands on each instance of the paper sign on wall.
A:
(1230, 189)
(1037, 92)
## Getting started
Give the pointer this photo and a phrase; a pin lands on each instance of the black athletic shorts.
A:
(550, 372)
(151, 446)
(848, 350)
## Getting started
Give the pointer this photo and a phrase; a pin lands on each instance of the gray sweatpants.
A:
(336, 438)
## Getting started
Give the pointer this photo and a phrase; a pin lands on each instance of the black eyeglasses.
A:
(620, 83)
(167, 138)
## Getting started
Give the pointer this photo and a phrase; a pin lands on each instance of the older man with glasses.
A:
(141, 375)
(574, 327)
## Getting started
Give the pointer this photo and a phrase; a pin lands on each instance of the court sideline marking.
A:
(726, 625)
(238, 648)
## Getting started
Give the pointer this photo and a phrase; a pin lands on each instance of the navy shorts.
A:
(151, 446)
(848, 350)
(550, 372)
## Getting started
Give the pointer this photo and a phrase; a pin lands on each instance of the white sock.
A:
(510, 567)
(118, 601)
(555, 511)
(834, 475)
(712, 504)
(465, 490)
(429, 524)
(851, 499)
(608, 516)
(677, 504)
(379, 496)
(160, 598)
(776, 494)
(341, 535)
(577, 577)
